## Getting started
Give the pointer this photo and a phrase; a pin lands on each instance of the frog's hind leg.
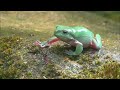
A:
(96, 42)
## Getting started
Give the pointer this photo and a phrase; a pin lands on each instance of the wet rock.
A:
(106, 54)
(73, 67)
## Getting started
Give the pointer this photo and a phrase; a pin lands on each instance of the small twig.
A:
(41, 47)
(45, 56)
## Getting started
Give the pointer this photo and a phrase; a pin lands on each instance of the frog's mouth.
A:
(64, 39)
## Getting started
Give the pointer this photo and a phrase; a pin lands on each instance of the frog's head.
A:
(64, 33)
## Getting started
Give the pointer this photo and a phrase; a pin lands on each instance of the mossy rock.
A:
(11, 65)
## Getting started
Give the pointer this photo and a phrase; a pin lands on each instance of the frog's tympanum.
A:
(76, 36)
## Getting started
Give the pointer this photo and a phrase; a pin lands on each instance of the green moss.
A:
(50, 71)
(109, 70)
(58, 49)
(11, 64)
(12, 71)
(86, 58)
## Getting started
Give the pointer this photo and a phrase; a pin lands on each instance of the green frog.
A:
(76, 36)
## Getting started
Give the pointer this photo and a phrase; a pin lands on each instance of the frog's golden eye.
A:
(65, 32)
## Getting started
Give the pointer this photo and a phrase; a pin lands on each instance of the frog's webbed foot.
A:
(41, 44)
(47, 43)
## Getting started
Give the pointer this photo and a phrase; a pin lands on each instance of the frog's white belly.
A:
(84, 41)
(75, 43)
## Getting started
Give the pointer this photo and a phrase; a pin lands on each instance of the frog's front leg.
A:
(47, 43)
(96, 42)
(78, 50)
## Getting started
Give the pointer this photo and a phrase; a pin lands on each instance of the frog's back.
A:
(81, 31)
(83, 35)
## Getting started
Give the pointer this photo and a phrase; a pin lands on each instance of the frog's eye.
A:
(65, 32)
